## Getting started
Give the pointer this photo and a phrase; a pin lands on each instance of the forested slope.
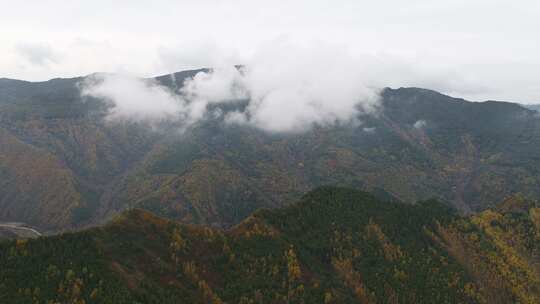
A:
(63, 165)
(335, 245)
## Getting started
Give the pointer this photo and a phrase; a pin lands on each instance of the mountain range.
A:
(431, 199)
(63, 166)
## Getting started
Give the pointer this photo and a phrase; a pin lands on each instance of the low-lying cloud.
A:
(286, 87)
(420, 124)
(132, 98)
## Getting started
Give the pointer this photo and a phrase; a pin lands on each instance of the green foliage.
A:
(335, 245)
(62, 269)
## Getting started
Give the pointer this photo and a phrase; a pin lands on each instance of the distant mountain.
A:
(535, 107)
(335, 245)
(62, 167)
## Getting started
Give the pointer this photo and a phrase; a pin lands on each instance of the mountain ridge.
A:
(423, 144)
(334, 245)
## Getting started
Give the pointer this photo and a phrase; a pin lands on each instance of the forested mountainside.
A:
(62, 166)
(335, 245)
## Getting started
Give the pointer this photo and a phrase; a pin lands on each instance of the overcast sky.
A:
(478, 49)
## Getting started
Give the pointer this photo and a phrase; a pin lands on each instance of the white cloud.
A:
(289, 88)
(133, 98)
(221, 84)
(420, 124)
(369, 130)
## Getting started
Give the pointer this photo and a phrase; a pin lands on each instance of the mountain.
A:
(335, 245)
(534, 107)
(63, 167)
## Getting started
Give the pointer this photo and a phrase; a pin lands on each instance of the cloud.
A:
(419, 124)
(224, 83)
(288, 88)
(132, 98)
(291, 87)
(369, 130)
(282, 87)
(40, 54)
(136, 99)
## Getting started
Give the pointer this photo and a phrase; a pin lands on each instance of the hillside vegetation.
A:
(335, 245)
(63, 166)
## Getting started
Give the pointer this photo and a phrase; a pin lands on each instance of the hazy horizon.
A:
(478, 50)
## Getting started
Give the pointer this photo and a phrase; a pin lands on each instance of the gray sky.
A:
(478, 49)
